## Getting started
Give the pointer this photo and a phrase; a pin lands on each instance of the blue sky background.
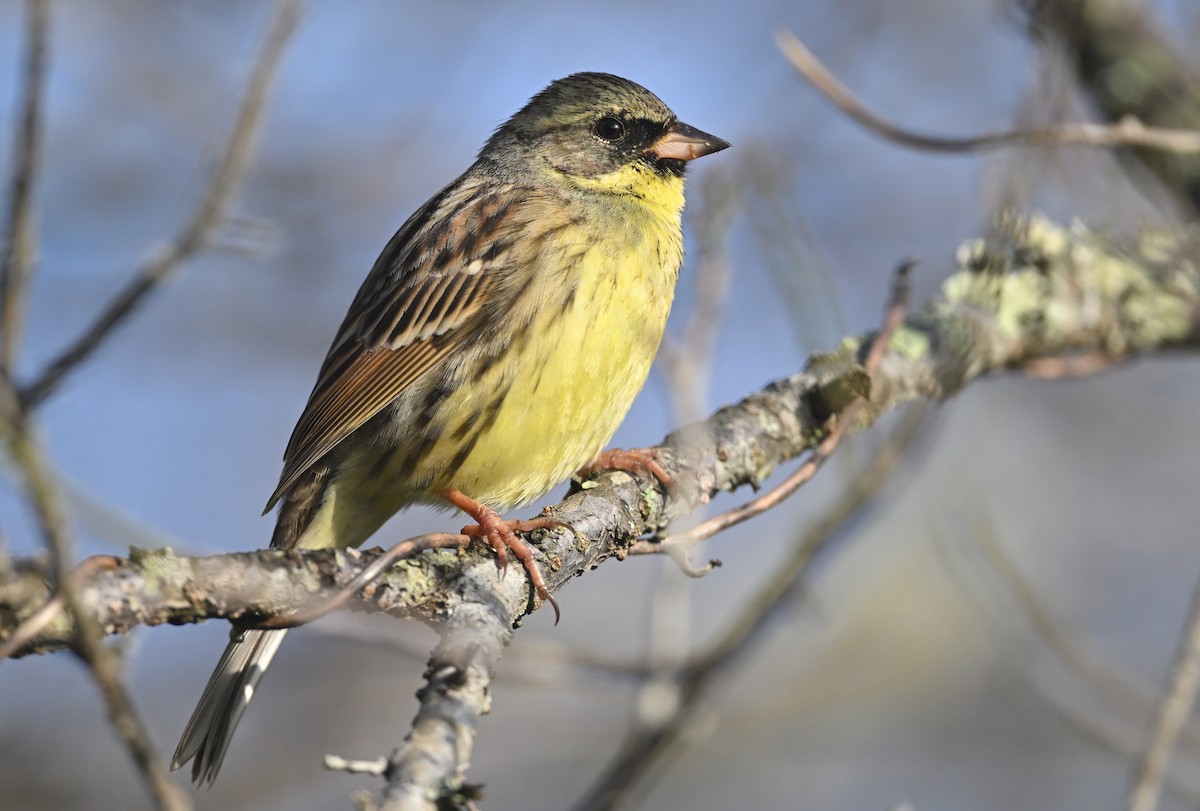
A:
(906, 675)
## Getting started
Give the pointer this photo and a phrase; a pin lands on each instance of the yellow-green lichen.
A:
(1046, 236)
(909, 343)
(649, 498)
(1023, 294)
(157, 565)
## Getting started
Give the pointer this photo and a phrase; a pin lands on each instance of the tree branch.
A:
(1032, 290)
(1128, 130)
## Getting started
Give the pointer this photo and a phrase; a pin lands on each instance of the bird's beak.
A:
(682, 142)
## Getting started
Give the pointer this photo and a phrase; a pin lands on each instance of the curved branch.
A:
(1128, 130)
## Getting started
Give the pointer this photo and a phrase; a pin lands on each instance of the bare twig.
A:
(1126, 132)
(196, 233)
(41, 489)
(376, 767)
(1064, 367)
(1174, 708)
(897, 306)
(102, 662)
(16, 264)
(1104, 43)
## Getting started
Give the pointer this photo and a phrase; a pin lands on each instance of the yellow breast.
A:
(594, 331)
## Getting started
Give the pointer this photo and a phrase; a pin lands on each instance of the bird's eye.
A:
(610, 128)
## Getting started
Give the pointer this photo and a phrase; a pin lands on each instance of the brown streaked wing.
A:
(416, 307)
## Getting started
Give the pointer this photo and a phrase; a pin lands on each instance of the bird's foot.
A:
(632, 460)
(502, 536)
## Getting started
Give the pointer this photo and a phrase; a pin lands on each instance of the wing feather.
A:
(421, 301)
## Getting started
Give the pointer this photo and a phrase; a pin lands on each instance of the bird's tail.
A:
(225, 698)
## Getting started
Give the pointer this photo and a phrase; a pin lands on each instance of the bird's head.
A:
(600, 132)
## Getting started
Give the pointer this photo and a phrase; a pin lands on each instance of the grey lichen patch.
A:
(769, 423)
(160, 567)
(424, 575)
(337, 562)
(650, 502)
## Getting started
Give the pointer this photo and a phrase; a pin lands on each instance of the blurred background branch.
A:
(20, 433)
(1129, 69)
(20, 237)
(209, 215)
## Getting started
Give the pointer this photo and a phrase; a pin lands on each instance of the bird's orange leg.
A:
(502, 536)
(633, 460)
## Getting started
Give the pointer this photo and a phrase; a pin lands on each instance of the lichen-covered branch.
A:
(1031, 291)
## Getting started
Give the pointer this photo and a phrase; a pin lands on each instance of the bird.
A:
(493, 349)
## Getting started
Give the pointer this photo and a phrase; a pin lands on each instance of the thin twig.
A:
(196, 233)
(102, 662)
(1065, 367)
(1174, 708)
(897, 307)
(430, 767)
(375, 768)
(16, 265)
(1126, 132)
